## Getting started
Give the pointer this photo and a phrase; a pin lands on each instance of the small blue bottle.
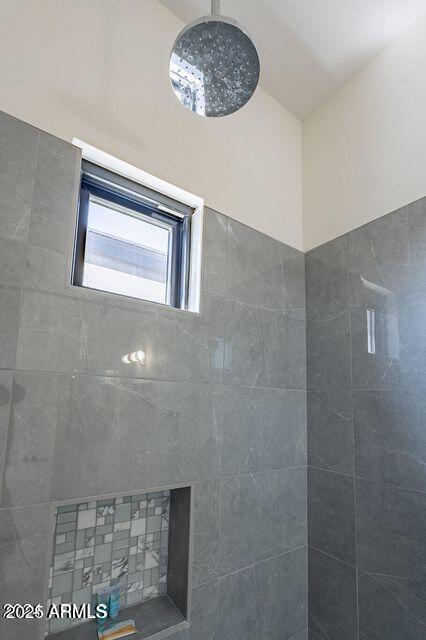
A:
(103, 599)
(114, 602)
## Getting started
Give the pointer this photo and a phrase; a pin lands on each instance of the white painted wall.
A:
(98, 70)
(364, 150)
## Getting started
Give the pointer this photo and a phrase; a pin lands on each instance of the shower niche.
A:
(140, 542)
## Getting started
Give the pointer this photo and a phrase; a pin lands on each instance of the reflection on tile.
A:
(399, 358)
(331, 508)
(332, 598)
(62, 330)
(385, 259)
(260, 429)
(262, 515)
(91, 435)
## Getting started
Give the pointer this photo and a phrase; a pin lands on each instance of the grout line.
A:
(219, 550)
(329, 555)
(211, 383)
(354, 467)
(337, 473)
(263, 561)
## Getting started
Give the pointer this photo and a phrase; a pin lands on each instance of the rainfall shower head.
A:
(214, 66)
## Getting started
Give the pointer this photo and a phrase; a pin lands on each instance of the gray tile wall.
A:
(220, 403)
(366, 431)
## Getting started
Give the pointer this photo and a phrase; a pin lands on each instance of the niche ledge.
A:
(157, 618)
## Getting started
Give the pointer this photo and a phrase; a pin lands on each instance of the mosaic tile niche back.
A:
(120, 541)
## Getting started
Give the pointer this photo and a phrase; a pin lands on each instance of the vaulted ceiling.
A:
(309, 47)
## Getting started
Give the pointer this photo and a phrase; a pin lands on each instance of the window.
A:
(131, 240)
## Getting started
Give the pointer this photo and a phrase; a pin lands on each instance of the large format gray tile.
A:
(263, 272)
(328, 360)
(205, 558)
(282, 361)
(9, 317)
(260, 429)
(330, 430)
(332, 598)
(5, 397)
(58, 176)
(385, 260)
(178, 345)
(285, 616)
(388, 279)
(399, 358)
(23, 558)
(18, 154)
(390, 437)
(331, 514)
(237, 606)
(248, 603)
(416, 224)
(56, 191)
(50, 333)
(327, 281)
(214, 252)
(262, 515)
(204, 614)
(387, 611)
(57, 318)
(12, 266)
(263, 348)
(18, 157)
(65, 332)
(242, 348)
(80, 436)
(391, 525)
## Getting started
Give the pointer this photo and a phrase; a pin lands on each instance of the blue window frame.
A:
(131, 240)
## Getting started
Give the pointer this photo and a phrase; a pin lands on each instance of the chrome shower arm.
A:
(215, 7)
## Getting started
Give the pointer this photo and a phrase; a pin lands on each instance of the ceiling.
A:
(309, 47)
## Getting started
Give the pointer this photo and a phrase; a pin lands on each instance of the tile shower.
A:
(220, 405)
(292, 425)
